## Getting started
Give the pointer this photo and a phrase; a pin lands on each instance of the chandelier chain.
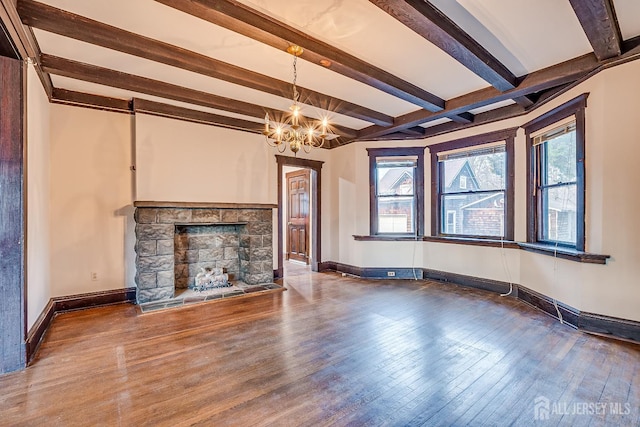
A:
(292, 133)
(296, 94)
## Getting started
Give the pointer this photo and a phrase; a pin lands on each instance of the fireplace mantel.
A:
(203, 205)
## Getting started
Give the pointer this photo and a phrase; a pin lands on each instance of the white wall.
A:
(613, 202)
(91, 200)
(189, 162)
(38, 204)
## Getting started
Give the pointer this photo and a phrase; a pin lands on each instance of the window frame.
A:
(374, 154)
(437, 175)
(575, 107)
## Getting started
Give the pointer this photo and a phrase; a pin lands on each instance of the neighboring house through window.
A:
(472, 186)
(555, 158)
(397, 188)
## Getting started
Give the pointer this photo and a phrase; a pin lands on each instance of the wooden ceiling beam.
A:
(140, 105)
(47, 18)
(465, 117)
(537, 81)
(71, 97)
(524, 101)
(241, 19)
(599, 22)
(436, 27)
(104, 76)
(416, 131)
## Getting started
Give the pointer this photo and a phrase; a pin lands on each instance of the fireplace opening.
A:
(211, 251)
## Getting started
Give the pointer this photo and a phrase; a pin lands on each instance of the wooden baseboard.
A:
(39, 328)
(94, 299)
(609, 326)
(471, 281)
(69, 303)
(628, 330)
(547, 304)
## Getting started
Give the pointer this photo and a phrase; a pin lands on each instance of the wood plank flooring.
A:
(331, 350)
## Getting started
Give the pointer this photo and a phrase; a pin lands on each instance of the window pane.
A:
(474, 214)
(559, 214)
(395, 214)
(394, 180)
(561, 159)
(474, 173)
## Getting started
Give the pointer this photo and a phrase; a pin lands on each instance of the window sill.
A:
(564, 253)
(472, 241)
(544, 249)
(387, 238)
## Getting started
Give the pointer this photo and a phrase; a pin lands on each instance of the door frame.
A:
(13, 293)
(306, 174)
(316, 181)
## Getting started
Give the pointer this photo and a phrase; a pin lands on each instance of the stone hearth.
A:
(175, 240)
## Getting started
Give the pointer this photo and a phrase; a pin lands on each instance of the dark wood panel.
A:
(599, 22)
(436, 27)
(7, 47)
(44, 17)
(242, 19)
(12, 217)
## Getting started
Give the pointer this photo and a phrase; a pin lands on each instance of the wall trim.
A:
(599, 324)
(71, 303)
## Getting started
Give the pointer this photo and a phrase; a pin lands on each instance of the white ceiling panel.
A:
(493, 106)
(526, 35)
(628, 13)
(362, 29)
(436, 122)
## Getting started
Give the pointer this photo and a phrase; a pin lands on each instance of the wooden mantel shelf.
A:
(203, 205)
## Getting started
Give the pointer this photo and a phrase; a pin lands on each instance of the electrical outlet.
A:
(391, 274)
(94, 276)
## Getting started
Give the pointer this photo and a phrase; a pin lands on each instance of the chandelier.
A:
(292, 133)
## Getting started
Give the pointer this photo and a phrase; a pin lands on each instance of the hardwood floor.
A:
(331, 350)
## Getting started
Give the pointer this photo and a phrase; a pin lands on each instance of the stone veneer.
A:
(244, 244)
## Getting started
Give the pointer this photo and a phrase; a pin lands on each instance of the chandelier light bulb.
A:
(293, 134)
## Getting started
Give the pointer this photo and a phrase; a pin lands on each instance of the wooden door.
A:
(298, 215)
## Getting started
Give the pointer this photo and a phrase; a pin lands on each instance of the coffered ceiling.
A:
(377, 69)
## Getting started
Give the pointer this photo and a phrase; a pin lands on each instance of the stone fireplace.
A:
(175, 240)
